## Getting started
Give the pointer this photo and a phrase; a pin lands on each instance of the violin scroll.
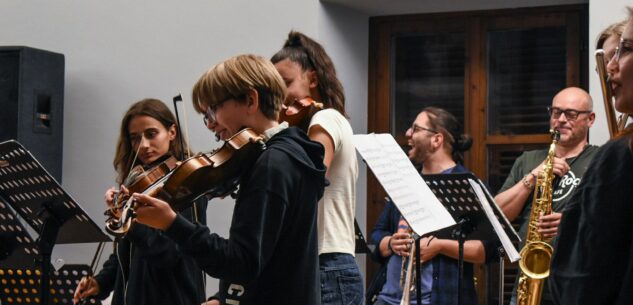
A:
(139, 181)
(299, 112)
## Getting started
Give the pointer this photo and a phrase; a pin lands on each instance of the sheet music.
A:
(402, 182)
(512, 252)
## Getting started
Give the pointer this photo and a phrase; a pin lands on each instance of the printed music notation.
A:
(402, 182)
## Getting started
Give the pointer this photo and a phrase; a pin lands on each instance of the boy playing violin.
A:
(271, 254)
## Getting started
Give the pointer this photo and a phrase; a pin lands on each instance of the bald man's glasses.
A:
(570, 114)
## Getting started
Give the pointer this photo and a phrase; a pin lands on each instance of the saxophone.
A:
(537, 252)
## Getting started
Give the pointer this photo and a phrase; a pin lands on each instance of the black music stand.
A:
(18, 249)
(361, 246)
(461, 200)
(33, 194)
(21, 286)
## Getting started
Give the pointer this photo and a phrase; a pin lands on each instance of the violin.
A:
(215, 174)
(299, 112)
(137, 184)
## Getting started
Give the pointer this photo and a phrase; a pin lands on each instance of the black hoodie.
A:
(271, 255)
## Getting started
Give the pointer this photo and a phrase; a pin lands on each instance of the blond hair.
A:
(615, 29)
(236, 77)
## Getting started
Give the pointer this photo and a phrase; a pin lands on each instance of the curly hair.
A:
(446, 123)
(310, 55)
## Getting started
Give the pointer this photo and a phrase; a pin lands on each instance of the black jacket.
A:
(147, 267)
(271, 255)
(593, 261)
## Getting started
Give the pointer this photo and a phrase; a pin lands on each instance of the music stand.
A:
(45, 206)
(18, 249)
(20, 286)
(466, 198)
(360, 242)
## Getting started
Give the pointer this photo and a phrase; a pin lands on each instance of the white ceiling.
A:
(400, 7)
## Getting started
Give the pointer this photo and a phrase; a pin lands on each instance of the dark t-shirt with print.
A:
(563, 187)
(562, 190)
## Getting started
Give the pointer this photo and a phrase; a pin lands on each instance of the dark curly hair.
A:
(446, 123)
(310, 55)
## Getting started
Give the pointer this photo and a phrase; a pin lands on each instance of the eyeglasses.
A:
(570, 114)
(624, 48)
(209, 115)
(415, 128)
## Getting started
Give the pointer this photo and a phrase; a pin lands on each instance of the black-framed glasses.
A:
(624, 48)
(570, 114)
(415, 128)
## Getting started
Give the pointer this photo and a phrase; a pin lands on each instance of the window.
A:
(494, 70)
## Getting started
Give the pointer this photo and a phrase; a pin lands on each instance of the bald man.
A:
(572, 114)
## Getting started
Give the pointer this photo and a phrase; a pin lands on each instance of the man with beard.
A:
(572, 115)
(437, 143)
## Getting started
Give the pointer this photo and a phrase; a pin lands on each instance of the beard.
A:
(420, 152)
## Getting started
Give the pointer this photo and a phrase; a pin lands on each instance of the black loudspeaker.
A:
(32, 103)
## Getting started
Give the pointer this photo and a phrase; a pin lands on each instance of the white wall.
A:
(601, 14)
(118, 52)
(344, 33)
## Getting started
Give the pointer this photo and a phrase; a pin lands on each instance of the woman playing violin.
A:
(147, 267)
(309, 72)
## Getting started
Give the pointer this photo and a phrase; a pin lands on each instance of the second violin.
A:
(139, 180)
(299, 112)
(215, 174)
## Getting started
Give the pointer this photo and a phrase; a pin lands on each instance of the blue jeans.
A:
(341, 282)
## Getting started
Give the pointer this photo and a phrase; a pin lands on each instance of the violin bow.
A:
(176, 99)
(93, 266)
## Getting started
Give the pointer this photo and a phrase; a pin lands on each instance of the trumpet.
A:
(614, 125)
(407, 276)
